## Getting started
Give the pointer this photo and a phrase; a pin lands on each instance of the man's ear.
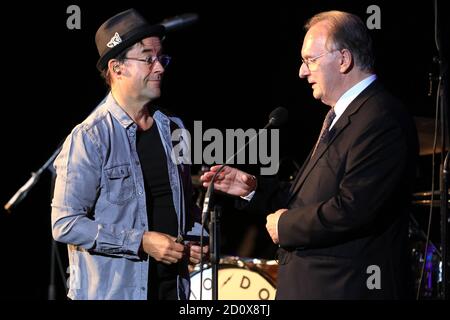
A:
(114, 66)
(346, 61)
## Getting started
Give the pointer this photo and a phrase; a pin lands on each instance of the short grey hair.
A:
(348, 31)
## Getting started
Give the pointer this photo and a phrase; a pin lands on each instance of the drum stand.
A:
(52, 287)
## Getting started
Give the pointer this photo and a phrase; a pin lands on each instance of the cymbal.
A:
(436, 203)
(428, 193)
(424, 198)
(425, 132)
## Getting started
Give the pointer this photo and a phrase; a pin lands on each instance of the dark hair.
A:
(348, 31)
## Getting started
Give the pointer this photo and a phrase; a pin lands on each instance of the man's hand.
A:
(230, 180)
(272, 224)
(162, 247)
(195, 251)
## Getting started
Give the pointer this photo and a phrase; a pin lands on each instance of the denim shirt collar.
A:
(117, 112)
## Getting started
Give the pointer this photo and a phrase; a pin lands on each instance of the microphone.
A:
(180, 21)
(277, 118)
(21, 193)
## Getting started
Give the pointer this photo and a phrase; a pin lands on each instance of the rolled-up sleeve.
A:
(77, 187)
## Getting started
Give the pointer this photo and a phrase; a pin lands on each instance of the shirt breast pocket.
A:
(119, 184)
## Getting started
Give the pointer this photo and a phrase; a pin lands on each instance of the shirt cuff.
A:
(249, 197)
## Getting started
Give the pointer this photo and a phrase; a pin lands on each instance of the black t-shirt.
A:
(160, 209)
(156, 178)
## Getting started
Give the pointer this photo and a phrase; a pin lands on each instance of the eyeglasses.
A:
(150, 60)
(311, 62)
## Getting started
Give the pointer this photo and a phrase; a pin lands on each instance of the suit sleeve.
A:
(271, 195)
(375, 163)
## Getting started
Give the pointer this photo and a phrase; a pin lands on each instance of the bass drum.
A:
(239, 279)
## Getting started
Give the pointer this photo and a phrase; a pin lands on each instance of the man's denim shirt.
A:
(99, 205)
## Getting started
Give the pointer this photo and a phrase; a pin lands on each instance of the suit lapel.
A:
(342, 123)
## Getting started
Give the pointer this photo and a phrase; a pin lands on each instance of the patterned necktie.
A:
(325, 128)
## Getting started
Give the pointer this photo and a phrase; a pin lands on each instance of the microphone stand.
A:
(443, 168)
(17, 198)
(214, 219)
(21, 194)
(35, 176)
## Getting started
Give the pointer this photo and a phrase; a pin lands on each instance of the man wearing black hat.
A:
(121, 203)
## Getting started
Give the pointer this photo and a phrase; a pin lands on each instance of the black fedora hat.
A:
(121, 32)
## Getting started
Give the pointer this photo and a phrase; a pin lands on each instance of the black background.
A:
(229, 70)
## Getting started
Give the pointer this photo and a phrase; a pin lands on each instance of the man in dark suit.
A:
(342, 225)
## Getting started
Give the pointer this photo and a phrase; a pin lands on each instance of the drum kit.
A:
(425, 251)
(427, 261)
(239, 279)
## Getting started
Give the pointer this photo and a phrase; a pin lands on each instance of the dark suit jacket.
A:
(348, 207)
